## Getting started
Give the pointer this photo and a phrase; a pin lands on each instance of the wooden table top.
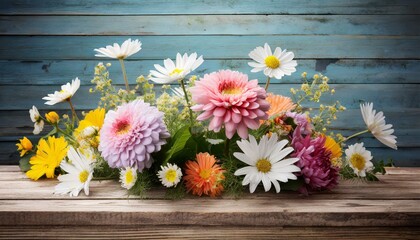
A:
(389, 208)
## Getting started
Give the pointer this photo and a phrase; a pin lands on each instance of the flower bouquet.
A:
(204, 135)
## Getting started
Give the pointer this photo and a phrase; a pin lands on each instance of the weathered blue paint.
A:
(213, 47)
(369, 49)
(160, 7)
(210, 25)
(358, 71)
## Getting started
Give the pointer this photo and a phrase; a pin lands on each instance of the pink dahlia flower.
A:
(131, 133)
(315, 163)
(229, 99)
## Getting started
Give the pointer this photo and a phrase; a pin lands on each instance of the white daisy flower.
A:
(36, 118)
(128, 177)
(175, 71)
(127, 49)
(275, 64)
(266, 162)
(377, 126)
(67, 91)
(170, 175)
(359, 159)
(80, 173)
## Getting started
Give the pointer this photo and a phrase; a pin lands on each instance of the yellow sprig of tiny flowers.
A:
(311, 90)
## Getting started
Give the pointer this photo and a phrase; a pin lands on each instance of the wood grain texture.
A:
(41, 48)
(392, 202)
(359, 71)
(163, 7)
(205, 232)
(210, 25)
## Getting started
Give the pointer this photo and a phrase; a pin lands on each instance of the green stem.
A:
(124, 75)
(69, 137)
(356, 134)
(188, 101)
(267, 84)
(73, 112)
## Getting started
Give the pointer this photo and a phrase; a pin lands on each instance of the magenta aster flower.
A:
(314, 160)
(229, 99)
(301, 120)
(131, 133)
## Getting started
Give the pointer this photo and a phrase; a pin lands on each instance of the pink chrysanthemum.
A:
(131, 133)
(315, 163)
(230, 100)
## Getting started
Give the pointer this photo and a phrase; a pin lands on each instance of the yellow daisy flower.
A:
(48, 157)
(94, 118)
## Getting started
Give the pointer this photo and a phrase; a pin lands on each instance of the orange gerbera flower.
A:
(279, 104)
(204, 176)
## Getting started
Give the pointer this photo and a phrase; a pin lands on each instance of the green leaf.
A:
(178, 143)
(24, 163)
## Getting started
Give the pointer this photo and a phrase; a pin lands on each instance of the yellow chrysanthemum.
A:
(94, 118)
(48, 157)
(24, 146)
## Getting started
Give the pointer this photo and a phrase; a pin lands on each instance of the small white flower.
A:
(128, 177)
(170, 175)
(67, 91)
(275, 64)
(80, 173)
(175, 71)
(359, 159)
(377, 126)
(36, 118)
(266, 162)
(127, 49)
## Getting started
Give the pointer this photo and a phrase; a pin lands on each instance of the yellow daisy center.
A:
(205, 173)
(358, 161)
(170, 175)
(272, 62)
(129, 177)
(176, 71)
(263, 165)
(83, 176)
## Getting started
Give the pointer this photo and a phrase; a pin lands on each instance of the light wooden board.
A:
(213, 47)
(210, 25)
(135, 7)
(388, 209)
(205, 232)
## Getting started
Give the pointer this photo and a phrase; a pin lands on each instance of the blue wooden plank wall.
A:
(369, 48)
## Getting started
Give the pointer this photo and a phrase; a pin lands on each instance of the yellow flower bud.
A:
(52, 117)
(24, 146)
